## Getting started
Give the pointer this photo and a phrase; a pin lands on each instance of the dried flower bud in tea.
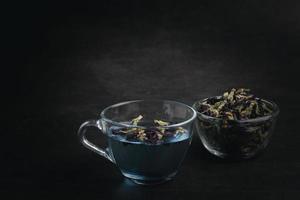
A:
(154, 134)
(136, 120)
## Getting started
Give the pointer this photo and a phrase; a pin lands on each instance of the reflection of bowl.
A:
(235, 138)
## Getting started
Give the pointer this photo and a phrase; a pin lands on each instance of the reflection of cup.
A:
(144, 163)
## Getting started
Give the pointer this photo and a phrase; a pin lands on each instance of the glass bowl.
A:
(235, 139)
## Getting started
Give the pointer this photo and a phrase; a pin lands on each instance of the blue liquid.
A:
(149, 162)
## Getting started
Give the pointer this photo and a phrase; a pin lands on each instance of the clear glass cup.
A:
(144, 163)
(235, 139)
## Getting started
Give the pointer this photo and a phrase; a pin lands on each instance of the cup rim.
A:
(104, 118)
(257, 119)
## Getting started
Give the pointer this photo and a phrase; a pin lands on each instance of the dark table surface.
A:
(68, 61)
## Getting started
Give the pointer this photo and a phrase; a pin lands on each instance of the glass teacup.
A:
(144, 160)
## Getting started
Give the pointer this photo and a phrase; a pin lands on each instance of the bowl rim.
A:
(253, 120)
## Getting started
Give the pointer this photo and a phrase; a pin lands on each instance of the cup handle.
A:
(82, 137)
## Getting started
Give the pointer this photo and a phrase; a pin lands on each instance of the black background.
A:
(66, 61)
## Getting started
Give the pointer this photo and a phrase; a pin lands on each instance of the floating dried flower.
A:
(136, 120)
(161, 123)
(151, 134)
(180, 130)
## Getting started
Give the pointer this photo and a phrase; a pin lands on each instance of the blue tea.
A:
(146, 162)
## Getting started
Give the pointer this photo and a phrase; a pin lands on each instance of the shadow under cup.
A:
(144, 163)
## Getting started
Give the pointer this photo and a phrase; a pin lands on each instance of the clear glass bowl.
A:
(235, 139)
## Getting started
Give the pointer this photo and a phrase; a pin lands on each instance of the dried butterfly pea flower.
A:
(242, 91)
(265, 107)
(214, 112)
(229, 115)
(180, 130)
(228, 134)
(160, 136)
(141, 135)
(161, 123)
(151, 134)
(230, 96)
(235, 104)
(225, 95)
(136, 120)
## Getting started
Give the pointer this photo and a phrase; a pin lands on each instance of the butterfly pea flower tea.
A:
(147, 139)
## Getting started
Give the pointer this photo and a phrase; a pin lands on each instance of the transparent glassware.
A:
(144, 163)
(235, 139)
